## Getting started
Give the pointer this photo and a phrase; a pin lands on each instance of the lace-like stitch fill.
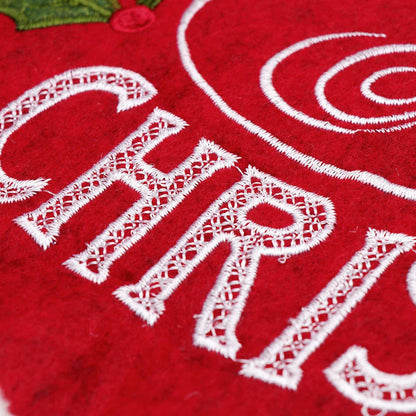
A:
(131, 88)
(160, 193)
(226, 220)
(280, 363)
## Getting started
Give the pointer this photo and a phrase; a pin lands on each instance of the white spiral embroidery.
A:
(369, 93)
(407, 118)
(308, 161)
(364, 384)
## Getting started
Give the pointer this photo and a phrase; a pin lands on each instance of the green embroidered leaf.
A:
(151, 4)
(31, 14)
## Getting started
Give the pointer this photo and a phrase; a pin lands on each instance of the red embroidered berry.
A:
(132, 19)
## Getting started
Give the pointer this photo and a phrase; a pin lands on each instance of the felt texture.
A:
(67, 345)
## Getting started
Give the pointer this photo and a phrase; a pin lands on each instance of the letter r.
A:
(226, 220)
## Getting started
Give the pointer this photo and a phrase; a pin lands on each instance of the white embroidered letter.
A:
(411, 282)
(131, 88)
(226, 220)
(160, 193)
(280, 363)
(354, 377)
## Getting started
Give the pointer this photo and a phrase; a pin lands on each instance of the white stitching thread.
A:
(160, 194)
(266, 83)
(351, 60)
(131, 89)
(354, 377)
(266, 79)
(379, 99)
(308, 161)
(411, 282)
(4, 406)
(226, 220)
(280, 363)
(44, 223)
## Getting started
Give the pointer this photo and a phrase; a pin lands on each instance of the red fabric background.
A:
(68, 347)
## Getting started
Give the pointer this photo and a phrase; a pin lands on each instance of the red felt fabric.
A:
(67, 345)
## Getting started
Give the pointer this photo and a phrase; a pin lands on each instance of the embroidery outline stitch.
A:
(379, 99)
(266, 83)
(225, 302)
(411, 282)
(345, 63)
(310, 162)
(131, 88)
(354, 377)
(160, 194)
(45, 239)
(280, 363)
(78, 263)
